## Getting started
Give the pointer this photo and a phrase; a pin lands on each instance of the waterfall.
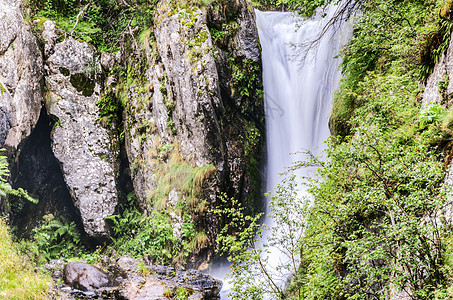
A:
(299, 84)
(300, 76)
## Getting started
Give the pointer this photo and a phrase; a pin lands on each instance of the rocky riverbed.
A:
(129, 278)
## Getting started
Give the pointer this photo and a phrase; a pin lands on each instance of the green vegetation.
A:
(178, 197)
(53, 239)
(101, 23)
(139, 235)
(396, 37)
(18, 279)
(379, 221)
(179, 176)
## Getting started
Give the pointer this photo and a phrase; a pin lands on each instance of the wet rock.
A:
(85, 277)
(85, 281)
(20, 76)
(87, 152)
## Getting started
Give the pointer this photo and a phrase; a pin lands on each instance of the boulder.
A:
(87, 152)
(85, 277)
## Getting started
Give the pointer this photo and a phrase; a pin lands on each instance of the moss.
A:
(445, 10)
(64, 71)
(83, 84)
(2, 89)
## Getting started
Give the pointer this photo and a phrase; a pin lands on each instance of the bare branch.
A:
(79, 15)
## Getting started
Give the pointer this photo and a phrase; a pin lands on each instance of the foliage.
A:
(182, 293)
(152, 236)
(100, 22)
(5, 187)
(53, 239)
(177, 175)
(256, 273)
(140, 235)
(109, 110)
(434, 113)
(376, 226)
(389, 37)
(303, 7)
(18, 279)
(375, 223)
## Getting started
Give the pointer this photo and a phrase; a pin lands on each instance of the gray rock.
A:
(127, 265)
(50, 36)
(107, 60)
(55, 267)
(85, 277)
(142, 135)
(85, 281)
(443, 71)
(164, 282)
(247, 36)
(87, 152)
(193, 85)
(21, 70)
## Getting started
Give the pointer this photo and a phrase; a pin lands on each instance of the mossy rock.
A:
(445, 11)
(83, 84)
(64, 71)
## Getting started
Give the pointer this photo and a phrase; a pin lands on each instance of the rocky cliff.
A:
(21, 71)
(182, 100)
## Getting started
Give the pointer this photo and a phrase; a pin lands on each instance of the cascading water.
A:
(300, 76)
(299, 84)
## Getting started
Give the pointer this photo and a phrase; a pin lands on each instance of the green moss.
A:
(2, 89)
(83, 84)
(64, 71)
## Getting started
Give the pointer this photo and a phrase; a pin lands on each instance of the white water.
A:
(298, 89)
(299, 86)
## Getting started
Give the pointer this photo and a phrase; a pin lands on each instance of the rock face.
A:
(193, 85)
(86, 151)
(146, 128)
(21, 70)
(189, 113)
(183, 110)
(439, 84)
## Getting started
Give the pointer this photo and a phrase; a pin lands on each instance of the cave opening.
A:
(36, 170)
